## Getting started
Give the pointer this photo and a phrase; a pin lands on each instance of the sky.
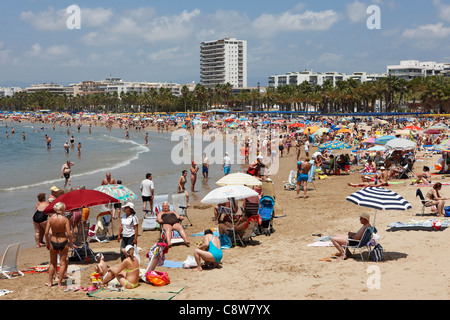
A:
(159, 41)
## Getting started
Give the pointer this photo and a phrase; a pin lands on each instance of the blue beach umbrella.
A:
(384, 139)
(334, 145)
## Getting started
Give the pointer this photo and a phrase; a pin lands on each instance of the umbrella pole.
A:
(232, 222)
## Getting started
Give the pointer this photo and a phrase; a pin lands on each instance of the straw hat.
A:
(365, 216)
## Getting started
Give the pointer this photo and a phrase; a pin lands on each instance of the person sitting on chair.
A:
(170, 220)
(127, 272)
(239, 226)
(433, 197)
(341, 240)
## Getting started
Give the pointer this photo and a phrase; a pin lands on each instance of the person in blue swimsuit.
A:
(210, 250)
(303, 168)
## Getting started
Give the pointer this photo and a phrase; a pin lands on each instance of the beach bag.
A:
(189, 262)
(447, 211)
(157, 278)
(376, 254)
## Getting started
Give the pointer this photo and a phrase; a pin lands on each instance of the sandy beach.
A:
(282, 266)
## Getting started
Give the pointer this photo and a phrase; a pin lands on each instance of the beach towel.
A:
(201, 233)
(417, 224)
(142, 292)
(172, 264)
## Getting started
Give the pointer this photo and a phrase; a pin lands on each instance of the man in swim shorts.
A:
(65, 171)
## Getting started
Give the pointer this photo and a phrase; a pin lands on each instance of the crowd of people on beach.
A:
(357, 136)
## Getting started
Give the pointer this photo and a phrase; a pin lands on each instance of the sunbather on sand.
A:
(127, 273)
(340, 240)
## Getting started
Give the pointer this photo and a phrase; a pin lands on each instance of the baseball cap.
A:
(54, 188)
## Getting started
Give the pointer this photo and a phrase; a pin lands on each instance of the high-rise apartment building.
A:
(223, 61)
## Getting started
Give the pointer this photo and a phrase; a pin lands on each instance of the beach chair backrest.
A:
(9, 261)
(179, 203)
(420, 195)
(367, 236)
(159, 199)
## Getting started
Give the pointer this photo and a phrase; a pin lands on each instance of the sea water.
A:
(28, 167)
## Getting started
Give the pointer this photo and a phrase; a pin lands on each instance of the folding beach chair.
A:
(311, 175)
(149, 221)
(81, 250)
(176, 237)
(248, 233)
(423, 201)
(9, 261)
(363, 243)
(291, 184)
(179, 203)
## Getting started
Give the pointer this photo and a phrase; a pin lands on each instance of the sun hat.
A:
(128, 247)
(128, 204)
(364, 216)
(382, 168)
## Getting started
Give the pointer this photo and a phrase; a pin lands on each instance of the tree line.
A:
(383, 95)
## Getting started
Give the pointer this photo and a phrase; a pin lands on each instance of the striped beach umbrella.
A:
(118, 191)
(379, 199)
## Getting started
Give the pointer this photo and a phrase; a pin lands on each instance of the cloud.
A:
(142, 25)
(428, 31)
(58, 50)
(356, 11)
(444, 10)
(270, 24)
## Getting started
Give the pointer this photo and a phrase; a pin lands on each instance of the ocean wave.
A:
(136, 150)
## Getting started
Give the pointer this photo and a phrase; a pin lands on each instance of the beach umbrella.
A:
(239, 179)
(379, 199)
(321, 131)
(414, 128)
(344, 130)
(81, 198)
(334, 145)
(377, 148)
(384, 139)
(438, 127)
(296, 125)
(432, 131)
(311, 130)
(228, 192)
(369, 140)
(401, 144)
(117, 191)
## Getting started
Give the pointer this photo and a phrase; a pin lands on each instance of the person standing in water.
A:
(65, 172)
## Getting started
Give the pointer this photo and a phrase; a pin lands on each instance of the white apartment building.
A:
(318, 78)
(223, 61)
(410, 69)
(54, 88)
(117, 85)
(8, 91)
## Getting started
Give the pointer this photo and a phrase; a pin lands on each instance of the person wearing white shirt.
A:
(147, 191)
(226, 164)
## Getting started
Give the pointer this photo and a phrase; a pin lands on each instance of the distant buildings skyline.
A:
(407, 69)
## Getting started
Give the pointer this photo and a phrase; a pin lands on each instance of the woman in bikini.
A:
(58, 242)
(170, 220)
(209, 250)
(127, 273)
(181, 185)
